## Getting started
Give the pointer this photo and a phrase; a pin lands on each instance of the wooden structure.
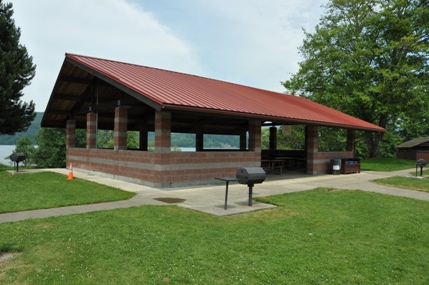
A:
(414, 149)
(350, 165)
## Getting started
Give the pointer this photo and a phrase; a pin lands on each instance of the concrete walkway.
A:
(211, 198)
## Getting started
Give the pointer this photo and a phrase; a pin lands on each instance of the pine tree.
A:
(16, 72)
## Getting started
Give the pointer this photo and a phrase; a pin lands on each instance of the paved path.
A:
(211, 198)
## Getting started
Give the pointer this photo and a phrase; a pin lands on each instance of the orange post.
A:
(70, 173)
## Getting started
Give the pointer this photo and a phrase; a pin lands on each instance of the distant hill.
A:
(177, 139)
(34, 127)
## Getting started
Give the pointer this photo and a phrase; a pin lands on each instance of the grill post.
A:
(250, 194)
(422, 163)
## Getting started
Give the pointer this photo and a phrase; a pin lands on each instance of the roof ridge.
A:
(172, 71)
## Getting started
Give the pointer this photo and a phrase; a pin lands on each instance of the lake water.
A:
(6, 150)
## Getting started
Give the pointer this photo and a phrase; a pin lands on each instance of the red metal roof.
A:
(173, 90)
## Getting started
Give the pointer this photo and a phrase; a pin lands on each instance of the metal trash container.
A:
(336, 165)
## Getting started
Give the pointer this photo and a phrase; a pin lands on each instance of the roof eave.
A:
(268, 118)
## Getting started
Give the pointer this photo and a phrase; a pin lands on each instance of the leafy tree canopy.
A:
(368, 58)
(16, 72)
(51, 150)
(25, 145)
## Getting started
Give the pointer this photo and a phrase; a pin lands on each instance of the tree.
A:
(51, 150)
(16, 72)
(25, 146)
(105, 139)
(368, 58)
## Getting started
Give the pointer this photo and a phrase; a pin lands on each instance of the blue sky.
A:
(249, 42)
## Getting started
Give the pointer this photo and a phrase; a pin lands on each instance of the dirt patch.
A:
(334, 190)
(170, 200)
(6, 257)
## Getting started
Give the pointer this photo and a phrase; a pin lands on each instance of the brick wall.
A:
(162, 170)
(321, 162)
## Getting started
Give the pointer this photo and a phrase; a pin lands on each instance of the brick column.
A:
(255, 136)
(91, 130)
(162, 132)
(120, 131)
(71, 134)
(311, 144)
(351, 138)
(162, 148)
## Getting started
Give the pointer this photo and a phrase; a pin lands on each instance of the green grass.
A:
(42, 190)
(323, 236)
(387, 164)
(5, 167)
(405, 182)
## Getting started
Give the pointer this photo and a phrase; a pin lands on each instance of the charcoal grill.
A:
(420, 163)
(251, 176)
(17, 158)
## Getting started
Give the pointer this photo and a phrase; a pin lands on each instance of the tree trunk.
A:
(374, 140)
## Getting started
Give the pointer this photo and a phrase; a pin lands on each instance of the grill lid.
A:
(421, 162)
(251, 175)
(17, 157)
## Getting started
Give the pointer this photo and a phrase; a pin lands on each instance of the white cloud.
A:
(112, 29)
(249, 42)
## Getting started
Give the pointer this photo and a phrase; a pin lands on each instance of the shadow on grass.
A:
(9, 248)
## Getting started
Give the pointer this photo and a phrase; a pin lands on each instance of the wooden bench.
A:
(270, 164)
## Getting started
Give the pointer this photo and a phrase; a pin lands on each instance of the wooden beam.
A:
(107, 105)
(83, 81)
(66, 97)
(58, 112)
(117, 83)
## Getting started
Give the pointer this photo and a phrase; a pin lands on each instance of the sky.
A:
(248, 42)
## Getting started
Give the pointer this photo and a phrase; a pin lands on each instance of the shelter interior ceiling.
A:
(78, 92)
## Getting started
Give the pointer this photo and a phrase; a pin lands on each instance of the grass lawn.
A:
(392, 164)
(5, 167)
(405, 182)
(323, 236)
(387, 164)
(42, 190)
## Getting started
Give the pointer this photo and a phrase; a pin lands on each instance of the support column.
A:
(351, 139)
(91, 130)
(311, 146)
(162, 149)
(143, 137)
(71, 134)
(255, 136)
(199, 141)
(243, 141)
(162, 132)
(120, 131)
(273, 140)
